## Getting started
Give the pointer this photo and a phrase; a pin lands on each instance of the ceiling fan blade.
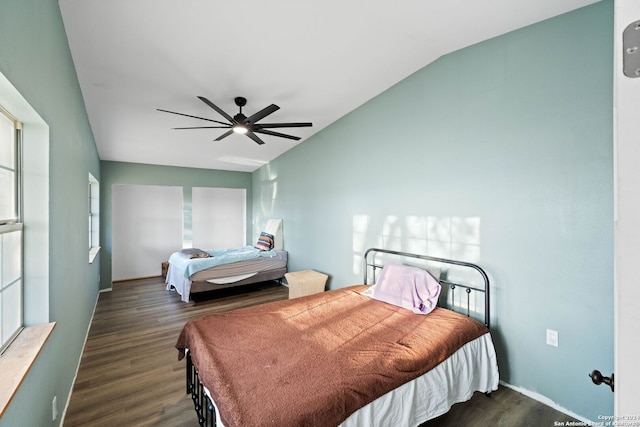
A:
(263, 113)
(215, 107)
(281, 135)
(254, 137)
(204, 127)
(282, 125)
(224, 135)
(189, 115)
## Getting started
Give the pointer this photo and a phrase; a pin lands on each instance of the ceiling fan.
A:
(243, 124)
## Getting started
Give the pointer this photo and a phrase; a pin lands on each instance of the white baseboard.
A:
(546, 401)
(75, 377)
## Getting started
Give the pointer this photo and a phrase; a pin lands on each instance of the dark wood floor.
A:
(503, 408)
(130, 374)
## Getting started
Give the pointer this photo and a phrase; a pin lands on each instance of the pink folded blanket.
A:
(408, 287)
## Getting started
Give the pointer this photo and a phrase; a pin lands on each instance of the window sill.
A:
(18, 359)
(93, 253)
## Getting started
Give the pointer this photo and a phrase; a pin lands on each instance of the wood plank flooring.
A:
(130, 374)
(503, 408)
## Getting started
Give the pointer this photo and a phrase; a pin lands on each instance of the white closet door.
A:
(219, 217)
(146, 229)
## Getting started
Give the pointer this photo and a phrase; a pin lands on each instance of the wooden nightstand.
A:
(165, 269)
(305, 282)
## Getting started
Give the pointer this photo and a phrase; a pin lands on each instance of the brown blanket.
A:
(317, 359)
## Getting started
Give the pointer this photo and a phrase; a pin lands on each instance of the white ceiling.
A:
(316, 60)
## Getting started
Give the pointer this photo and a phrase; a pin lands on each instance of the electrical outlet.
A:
(552, 337)
(54, 408)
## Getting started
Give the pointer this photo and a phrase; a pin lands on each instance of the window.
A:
(11, 276)
(146, 227)
(218, 217)
(94, 217)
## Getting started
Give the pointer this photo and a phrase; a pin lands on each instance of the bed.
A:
(351, 356)
(195, 270)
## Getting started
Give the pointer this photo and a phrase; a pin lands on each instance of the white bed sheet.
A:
(472, 368)
(175, 279)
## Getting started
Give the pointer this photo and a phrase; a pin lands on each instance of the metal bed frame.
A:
(468, 289)
(203, 405)
(201, 402)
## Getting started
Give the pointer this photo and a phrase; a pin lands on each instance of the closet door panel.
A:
(219, 217)
(146, 229)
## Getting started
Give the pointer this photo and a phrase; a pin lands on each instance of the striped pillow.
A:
(265, 242)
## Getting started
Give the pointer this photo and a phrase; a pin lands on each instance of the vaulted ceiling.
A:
(316, 60)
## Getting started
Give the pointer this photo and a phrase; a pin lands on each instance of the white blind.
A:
(146, 229)
(219, 217)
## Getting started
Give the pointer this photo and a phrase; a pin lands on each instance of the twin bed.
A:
(192, 271)
(387, 352)
(195, 270)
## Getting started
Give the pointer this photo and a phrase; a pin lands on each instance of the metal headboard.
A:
(370, 262)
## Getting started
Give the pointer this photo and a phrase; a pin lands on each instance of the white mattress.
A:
(472, 368)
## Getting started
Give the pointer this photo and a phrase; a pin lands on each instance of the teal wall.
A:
(35, 58)
(134, 173)
(500, 153)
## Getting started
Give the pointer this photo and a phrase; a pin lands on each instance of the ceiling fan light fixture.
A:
(242, 129)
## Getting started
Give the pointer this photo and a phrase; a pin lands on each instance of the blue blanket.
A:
(218, 257)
